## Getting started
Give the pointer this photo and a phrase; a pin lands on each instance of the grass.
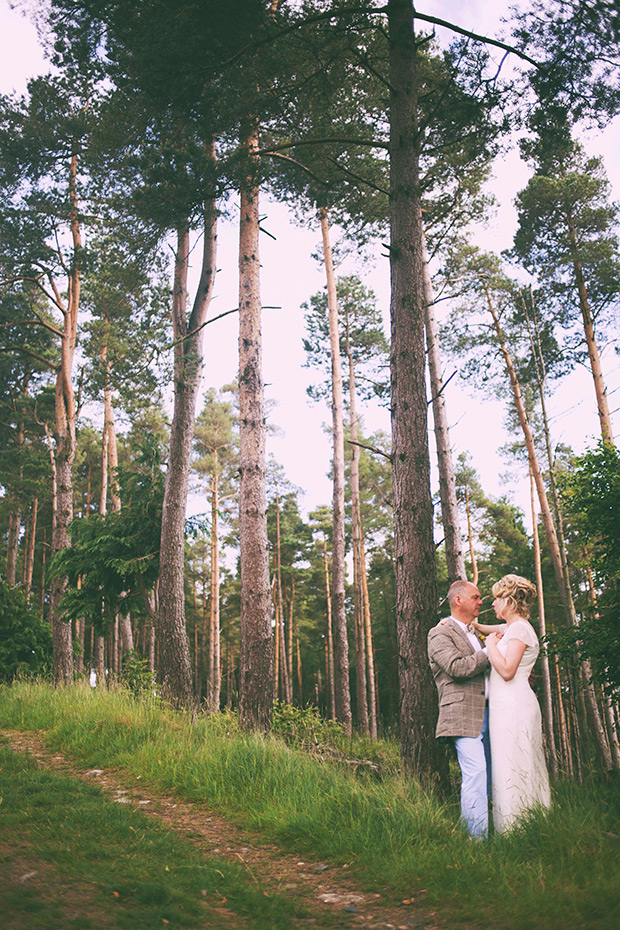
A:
(80, 861)
(560, 869)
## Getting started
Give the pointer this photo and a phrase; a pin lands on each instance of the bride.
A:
(519, 772)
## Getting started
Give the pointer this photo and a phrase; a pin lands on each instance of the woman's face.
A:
(499, 605)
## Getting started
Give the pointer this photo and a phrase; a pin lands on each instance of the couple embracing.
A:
(487, 706)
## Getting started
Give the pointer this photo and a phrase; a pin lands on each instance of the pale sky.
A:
(290, 276)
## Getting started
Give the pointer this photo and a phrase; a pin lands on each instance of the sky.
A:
(290, 275)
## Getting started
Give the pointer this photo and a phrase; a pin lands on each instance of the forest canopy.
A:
(176, 165)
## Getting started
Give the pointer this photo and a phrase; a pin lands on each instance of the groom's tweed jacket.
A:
(458, 670)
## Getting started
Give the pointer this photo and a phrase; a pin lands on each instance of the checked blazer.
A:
(458, 670)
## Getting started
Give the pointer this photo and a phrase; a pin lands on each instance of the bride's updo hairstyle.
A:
(518, 591)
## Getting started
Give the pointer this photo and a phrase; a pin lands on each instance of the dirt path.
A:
(325, 889)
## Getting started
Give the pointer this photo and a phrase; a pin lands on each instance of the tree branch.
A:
(375, 11)
(212, 320)
(372, 143)
(358, 177)
(385, 455)
(40, 358)
(299, 165)
(441, 389)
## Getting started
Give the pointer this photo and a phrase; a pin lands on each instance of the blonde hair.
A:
(519, 591)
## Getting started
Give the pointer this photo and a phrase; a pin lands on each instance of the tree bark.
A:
(455, 560)
(373, 707)
(65, 422)
(588, 328)
(256, 644)
(290, 629)
(356, 536)
(115, 498)
(564, 736)
(214, 682)
(15, 522)
(280, 631)
(612, 734)
(100, 661)
(470, 538)
(341, 643)
(329, 639)
(415, 569)
(544, 661)
(276, 640)
(175, 668)
(563, 583)
(29, 556)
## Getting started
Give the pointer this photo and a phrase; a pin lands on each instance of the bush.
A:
(136, 675)
(25, 639)
(304, 726)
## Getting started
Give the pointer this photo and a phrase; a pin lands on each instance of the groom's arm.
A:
(445, 653)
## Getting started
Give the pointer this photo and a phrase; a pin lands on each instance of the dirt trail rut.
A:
(325, 889)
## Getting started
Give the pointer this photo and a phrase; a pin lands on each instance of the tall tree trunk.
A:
(29, 556)
(103, 488)
(54, 483)
(564, 736)
(124, 619)
(300, 684)
(341, 643)
(612, 733)
(280, 632)
(256, 645)
(15, 522)
(563, 582)
(415, 569)
(80, 631)
(470, 539)
(574, 720)
(65, 422)
(541, 380)
(115, 497)
(360, 654)
(356, 545)
(214, 682)
(15, 516)
(588, 328)
(544, 661)
(373, 708)
(175, 668)
(455, 560)
(42, 590)
(276, 640)
(290, 630)
(329, 639)
(100, 661)
(78, 655)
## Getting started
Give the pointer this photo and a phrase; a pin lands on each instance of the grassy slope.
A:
(69, 858)
(557, 871)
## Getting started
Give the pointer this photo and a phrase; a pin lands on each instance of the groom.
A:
(458, 662)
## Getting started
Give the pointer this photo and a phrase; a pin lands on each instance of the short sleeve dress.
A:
(519, 771)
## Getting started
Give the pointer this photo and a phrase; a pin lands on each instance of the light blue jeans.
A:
(474, 757)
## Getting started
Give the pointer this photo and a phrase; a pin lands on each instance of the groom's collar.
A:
(462, 625)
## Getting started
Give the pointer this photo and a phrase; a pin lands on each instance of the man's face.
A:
(469, 604)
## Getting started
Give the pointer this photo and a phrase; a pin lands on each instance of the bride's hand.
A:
(493, 639)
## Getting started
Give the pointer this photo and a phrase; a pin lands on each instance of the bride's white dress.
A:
(519, 771)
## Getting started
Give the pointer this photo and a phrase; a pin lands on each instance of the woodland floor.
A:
(326, 890)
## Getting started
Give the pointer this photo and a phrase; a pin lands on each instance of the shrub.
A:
(25, 639)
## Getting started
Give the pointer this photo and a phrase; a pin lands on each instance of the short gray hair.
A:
(458, 589)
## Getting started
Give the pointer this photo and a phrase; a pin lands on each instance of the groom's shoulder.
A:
(441, 629)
